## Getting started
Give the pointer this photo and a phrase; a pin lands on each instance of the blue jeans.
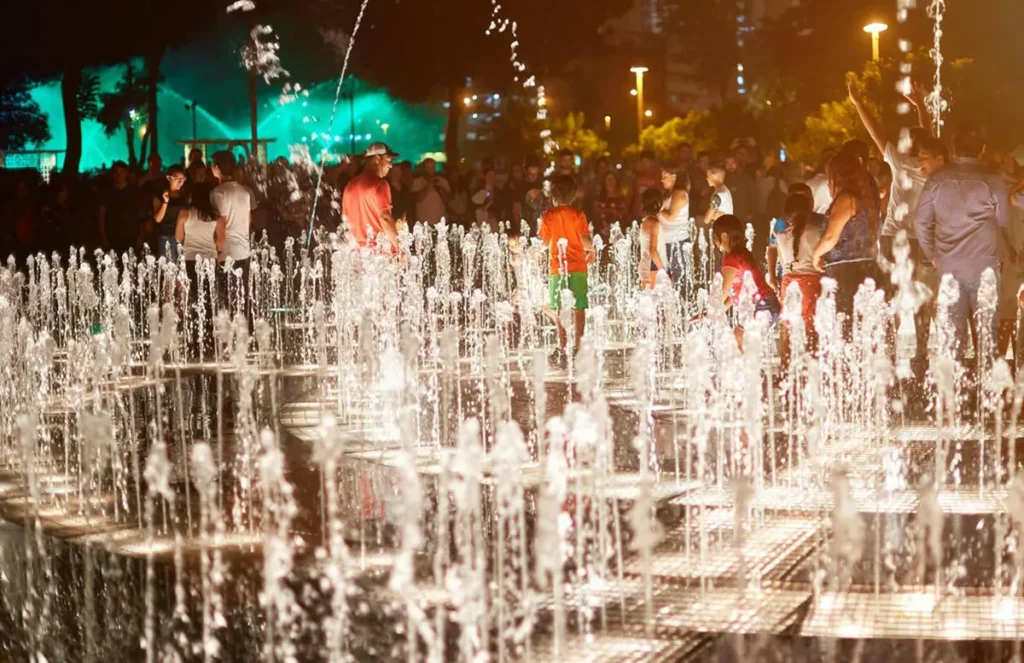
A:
(965, 311)
(167, 247)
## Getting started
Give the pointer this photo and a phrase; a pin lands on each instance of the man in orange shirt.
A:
(366, 201)
(565, 230)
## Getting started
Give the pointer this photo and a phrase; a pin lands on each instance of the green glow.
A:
(412, 130)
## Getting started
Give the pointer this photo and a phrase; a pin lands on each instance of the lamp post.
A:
(192, 107)
(639, 71)
(875, 29)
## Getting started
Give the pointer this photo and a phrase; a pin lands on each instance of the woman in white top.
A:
(197, 227)
(675, 223)
(651, 261)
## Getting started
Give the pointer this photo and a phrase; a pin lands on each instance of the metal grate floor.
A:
(916, 614)
(765, 549)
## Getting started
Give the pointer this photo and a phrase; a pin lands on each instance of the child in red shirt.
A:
(565, 224)
(730, 237)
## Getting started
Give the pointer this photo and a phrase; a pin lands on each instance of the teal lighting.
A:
(413, 130)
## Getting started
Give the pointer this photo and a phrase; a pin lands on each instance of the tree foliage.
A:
(89, 96)
(571, 132)
(93, 34)
(124, 109)
(698, 128)
(22, 122)
(835, 123)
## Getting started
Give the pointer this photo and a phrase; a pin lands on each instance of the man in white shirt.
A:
(721, 197)
(233, 202)
(431, 192)
(819, 183)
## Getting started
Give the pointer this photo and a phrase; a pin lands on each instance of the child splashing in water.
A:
(652, 263)
(729, 236)
(563, 226)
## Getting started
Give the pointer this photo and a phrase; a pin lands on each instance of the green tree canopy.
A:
(698, 128)
(571, 132)
(22, 123)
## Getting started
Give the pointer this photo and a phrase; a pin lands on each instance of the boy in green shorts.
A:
(565, 230)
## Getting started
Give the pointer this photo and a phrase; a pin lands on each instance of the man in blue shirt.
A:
(962, 210)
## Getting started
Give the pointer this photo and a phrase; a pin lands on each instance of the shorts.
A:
(810, 289)
(575, 282)
(167, 247)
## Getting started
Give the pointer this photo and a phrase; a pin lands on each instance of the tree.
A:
(837, 121)
(80, 35)
(570, 132)
(698, 128)
(154, 57)
(123, 109)
(22, 122)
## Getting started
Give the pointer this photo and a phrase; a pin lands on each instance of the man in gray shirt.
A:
(962, 210)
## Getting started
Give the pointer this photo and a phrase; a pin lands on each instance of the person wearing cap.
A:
(366, 202)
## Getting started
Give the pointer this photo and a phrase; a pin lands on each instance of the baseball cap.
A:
(379, 150)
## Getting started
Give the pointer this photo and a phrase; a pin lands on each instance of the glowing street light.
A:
(875, 29)
(607, 122)
(639, 71)
(648, 113)
(467, 101)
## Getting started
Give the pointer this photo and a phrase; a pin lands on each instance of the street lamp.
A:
(607, 122)
(639, 71)
(875, 29)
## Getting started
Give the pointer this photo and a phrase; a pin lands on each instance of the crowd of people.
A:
(840, 218)
(845, 219)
